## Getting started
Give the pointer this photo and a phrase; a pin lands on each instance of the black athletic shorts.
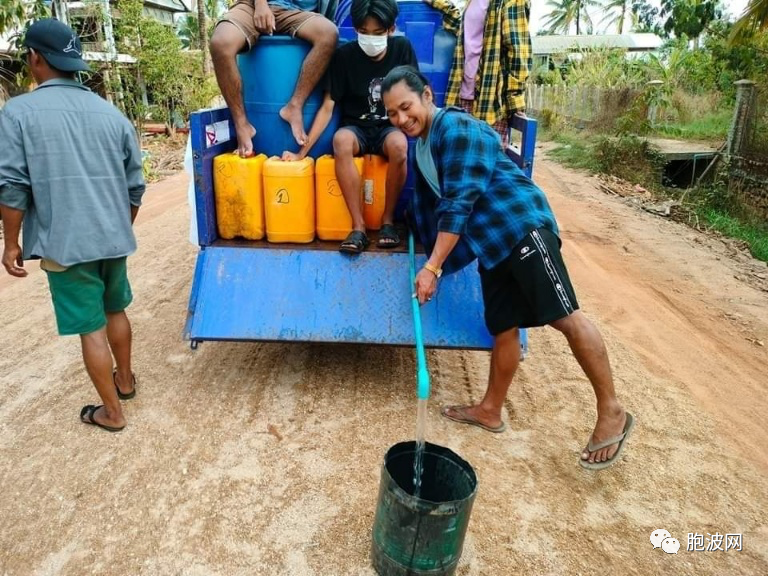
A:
(530, 287)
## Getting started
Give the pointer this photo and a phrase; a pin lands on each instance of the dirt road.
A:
(243, 459)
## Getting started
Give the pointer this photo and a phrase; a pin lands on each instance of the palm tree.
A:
(617, 12)
(202, 35)
(754, 18)
(566, 13)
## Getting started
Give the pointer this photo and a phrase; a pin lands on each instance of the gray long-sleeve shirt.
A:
(71, 162)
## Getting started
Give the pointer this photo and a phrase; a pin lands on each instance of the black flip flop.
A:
(388, 237)
(121, 395)
(88, 411)
(354, 243)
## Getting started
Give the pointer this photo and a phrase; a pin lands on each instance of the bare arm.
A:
(12, 260)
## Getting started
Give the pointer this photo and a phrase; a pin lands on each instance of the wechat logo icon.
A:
(663, 539)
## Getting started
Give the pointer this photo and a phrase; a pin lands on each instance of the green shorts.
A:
(84, 294)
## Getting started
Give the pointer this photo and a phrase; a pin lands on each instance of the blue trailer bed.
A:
(257, 291)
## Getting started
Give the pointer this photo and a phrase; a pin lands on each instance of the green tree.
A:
(688, 18)
(171, 77)
(17, 13)
(567, 13)
(202, 35)
(754, 19)
(645, 17)
(617, 13)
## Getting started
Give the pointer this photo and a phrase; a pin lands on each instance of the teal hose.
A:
(421, 357)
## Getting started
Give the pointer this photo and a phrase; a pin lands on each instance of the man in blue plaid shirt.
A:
(471, 201)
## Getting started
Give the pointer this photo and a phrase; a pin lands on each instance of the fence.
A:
(748, 147)
(580, 106)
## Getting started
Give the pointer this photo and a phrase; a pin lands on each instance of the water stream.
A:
(418, 458)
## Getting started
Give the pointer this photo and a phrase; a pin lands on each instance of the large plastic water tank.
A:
(269, 73)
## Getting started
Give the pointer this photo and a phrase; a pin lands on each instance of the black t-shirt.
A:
(354, 80)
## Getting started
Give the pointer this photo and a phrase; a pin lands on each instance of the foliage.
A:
(627, 157)
(719, 205)
(712, 125)
(617, 12)
(605, 68)
(754, 19)
(716, 204)
(17, 13)
(170, 77)
(644, 16)
(687, 18)
(631, 158)
(567, 13)
(575, 151)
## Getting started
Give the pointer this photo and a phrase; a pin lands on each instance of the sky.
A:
(540, 11)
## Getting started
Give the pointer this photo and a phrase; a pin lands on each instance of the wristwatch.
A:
(434, 269)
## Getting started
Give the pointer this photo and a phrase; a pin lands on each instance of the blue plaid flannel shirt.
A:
(485, 197)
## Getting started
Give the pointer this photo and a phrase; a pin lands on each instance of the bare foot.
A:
(608, 426)
(244, 143)
(292, 115)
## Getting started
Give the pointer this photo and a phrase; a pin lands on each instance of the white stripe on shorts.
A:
(554, 277)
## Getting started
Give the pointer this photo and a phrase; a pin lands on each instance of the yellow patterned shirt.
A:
(505, 61)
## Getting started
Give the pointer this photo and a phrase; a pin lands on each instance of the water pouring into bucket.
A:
(426, 491)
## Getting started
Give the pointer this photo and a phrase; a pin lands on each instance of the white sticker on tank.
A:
(368, 191)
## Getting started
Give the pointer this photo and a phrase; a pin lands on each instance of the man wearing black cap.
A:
(71, 172)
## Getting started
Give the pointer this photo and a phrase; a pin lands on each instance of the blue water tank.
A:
(269, 73)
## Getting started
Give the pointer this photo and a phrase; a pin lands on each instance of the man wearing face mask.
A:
(353, 81)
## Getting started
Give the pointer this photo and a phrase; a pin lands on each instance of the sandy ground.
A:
(264, 458)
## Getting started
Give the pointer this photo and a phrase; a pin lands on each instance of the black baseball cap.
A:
(57, 43)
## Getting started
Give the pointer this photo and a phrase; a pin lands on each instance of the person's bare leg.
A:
(323, 35)
(227, 41)
(345, 147)
(505, 358)
(395, 148)
(589, 350)
(120, 337)
(98, 363)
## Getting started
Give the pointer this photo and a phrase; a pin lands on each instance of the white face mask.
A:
(372, 45)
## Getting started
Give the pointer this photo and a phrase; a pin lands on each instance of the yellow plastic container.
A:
(237, 184)
(333, 219)
(289, 200)
(374, 190)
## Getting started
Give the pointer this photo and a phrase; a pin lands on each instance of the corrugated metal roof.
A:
(543, 45)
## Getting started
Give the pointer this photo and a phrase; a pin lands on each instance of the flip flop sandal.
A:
(86, 417)
(354, 243)
(121, 395)
(388, 237)
(463, 418)
(621, 440)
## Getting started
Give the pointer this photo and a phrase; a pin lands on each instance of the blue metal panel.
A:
(204, 148)
(524, 157)
(296, 294)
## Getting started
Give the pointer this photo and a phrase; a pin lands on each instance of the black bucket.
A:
(424, 535)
